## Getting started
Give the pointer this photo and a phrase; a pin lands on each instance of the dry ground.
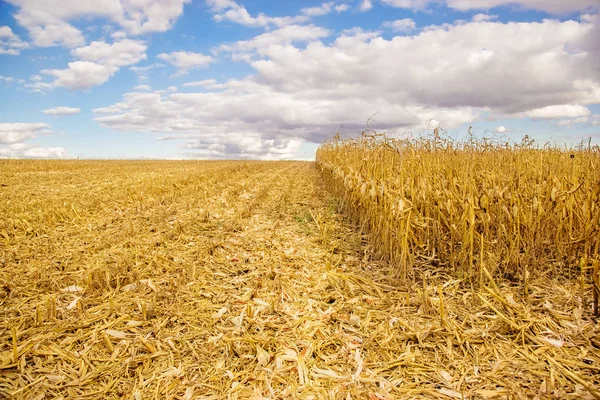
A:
(239, 280)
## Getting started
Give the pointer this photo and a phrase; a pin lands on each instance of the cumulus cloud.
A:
(242, 146)
(208, 83)
(341, 7)
(455, 74)
(405, 25)
(22, 150)
(38, 87)
(61, 111)
(365, 5)
(142, 88)
(572, 121)
(119, 54)
(148, 16)
(114, 109)
(323, 9)
(142, 72)
(98, 62)
(186, 60)
(410, 4)
(501, 129)
(80, 75)
(11, 133)
(47, 31)
(48, 24)
(551, 6)
(474, 65)
(558, 111)
(14, 135)
(10, 43)
(230, 11)
(484, 17)
(243, 50)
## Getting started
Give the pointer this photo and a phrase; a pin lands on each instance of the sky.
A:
(265, 79)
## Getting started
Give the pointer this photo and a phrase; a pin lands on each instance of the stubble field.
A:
(242, 280)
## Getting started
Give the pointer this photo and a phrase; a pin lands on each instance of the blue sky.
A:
(270, 80)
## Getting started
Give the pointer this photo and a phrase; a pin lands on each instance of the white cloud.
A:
(118, 35)
(229, 10)
(516, 74)
(48, 30)
(99, 62)
(48, 24)
(366, 5)
(572, 121)
(484, 17)
(62, 111)
(282, 36)
(409, 4)
(22, 150)
(405, 25)
(186, 60)
(142, 88)
(453, 74)
(119, 54)
(558, 111)
(501, 129)
(148, 16)
(341, 8)
(114, 109)
(142, 72)
(323, 9)
(208, 83)
(80, 75)
(10, 43)
(12, 133)
(39, 87)
(241, 146)
(358, 34)
(551, 6)
(7, 79)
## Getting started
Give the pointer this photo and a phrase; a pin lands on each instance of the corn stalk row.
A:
(470, 206)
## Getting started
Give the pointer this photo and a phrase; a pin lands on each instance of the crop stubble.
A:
(238, 280)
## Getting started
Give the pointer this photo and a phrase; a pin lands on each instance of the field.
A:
(267, 280)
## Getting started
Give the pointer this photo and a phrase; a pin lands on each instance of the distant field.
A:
(243, 280)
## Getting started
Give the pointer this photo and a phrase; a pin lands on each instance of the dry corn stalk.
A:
(517, 209)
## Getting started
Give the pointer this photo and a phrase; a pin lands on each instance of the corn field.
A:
(473, 205)
(242, 280)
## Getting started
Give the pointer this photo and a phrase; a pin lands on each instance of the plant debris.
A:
(239, 280)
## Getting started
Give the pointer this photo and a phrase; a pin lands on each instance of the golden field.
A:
(473, 205)
(289, 280)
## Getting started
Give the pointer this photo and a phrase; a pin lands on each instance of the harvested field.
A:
(241, 280)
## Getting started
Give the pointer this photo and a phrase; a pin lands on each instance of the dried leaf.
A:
(116, 334)
(72, 289)
(450, 393)
(262, 356)
(552, 342)
(73, 303)
(129, 288)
